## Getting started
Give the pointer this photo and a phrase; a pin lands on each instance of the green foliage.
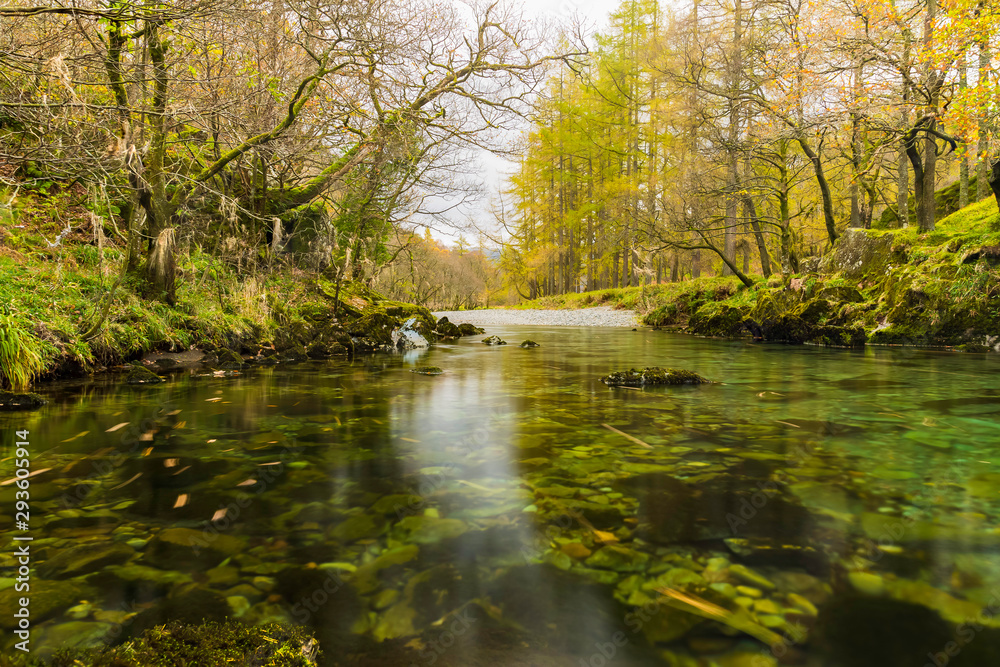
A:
(22, 355)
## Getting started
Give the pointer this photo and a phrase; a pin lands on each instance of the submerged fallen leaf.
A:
(78, 435)
(117, 426)
(740, 619)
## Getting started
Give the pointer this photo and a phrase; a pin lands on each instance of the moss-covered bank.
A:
(234, 320)
(892, 287)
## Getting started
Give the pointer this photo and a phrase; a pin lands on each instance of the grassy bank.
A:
(66, 311)
(877, 286)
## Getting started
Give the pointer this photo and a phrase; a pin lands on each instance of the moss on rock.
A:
(141, 375)
(206, 645)
(652, 376)
(15, 401)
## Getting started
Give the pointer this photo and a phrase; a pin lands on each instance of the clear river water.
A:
(811, 506)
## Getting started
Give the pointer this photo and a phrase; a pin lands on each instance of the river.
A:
(815, 506)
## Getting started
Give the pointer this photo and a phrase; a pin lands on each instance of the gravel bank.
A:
(600, 316)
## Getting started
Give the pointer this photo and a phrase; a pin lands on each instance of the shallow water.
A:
(516, 511)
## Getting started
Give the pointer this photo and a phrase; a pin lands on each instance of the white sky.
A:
(494, 169)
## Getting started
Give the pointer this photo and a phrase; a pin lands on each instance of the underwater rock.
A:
(47, 599)
(470, 329)
(878, 632)
(602, 516)
(673, 510)
(429, 530)
(494, 340)
(529, 343)
(142, 375)
(619, 559)
(407, 337)
(366, 578)
(14, 401)
(779, 553)
(85, 559)
(398, 504)
(427, 370)
(191, 548)
(357, 527)
(72, 635)
(651, 376)
(187, 603)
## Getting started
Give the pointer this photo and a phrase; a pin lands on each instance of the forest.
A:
(293, 374)
(744, 137)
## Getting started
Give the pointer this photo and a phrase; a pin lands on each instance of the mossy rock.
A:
(717, 320)
(494, 340)
(404, 311)
(859, 253)
(15, 401)
(376, 326)
(529, 343)
(230, 361)
(427, 370)
(448, 329)
(470, 329)
(142, 375)
(652, 376)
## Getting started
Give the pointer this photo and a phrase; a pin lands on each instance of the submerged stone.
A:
(618, 558)
(357, 527)
(14, 401)
(429, 530)
(47, 599)
(651, 376)
(530, 343)
(85, 559)
(494, 340)
(190, 548)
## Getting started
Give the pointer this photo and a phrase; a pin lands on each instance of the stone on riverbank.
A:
(407, 337)
(651, 376)
(142, 375)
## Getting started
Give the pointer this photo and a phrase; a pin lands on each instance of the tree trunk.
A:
(982, 148)
(995, 181)
(765, 259)
(963, 166)
(824, 188)
(160, 267)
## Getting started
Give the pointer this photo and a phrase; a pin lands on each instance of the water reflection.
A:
(517, 499)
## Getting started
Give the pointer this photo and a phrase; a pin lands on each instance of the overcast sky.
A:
(594, 14)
